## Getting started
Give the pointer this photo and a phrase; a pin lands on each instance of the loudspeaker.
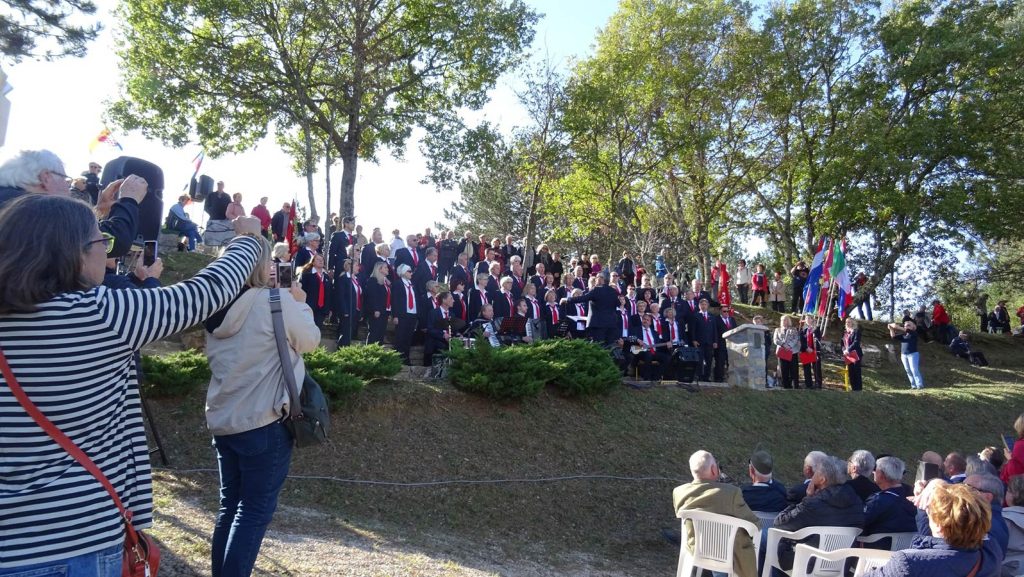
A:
(201, 189)
(151, 208)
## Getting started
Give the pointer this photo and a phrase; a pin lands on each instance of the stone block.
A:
(745, 346)
(872, 356)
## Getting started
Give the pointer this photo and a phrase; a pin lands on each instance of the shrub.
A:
(369, 362)
(174, 375)
(335, 380)
(578, 367)
(505, 373)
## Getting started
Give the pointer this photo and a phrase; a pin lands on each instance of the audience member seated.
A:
(1013, 514)
(955, 467)
(961, 347)
(764, 493)
(829, 502)
(888, 510)
(992, 492)
(796, 493)
(707, 493)
(960, 519)
(859, 467)
(1015, 458)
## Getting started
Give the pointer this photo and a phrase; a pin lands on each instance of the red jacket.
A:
(1015, 466)
(261, 212)
(939, 316)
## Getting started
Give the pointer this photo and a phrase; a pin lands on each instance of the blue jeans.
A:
(253, 466)
(102, 563)
(912, 364)
(190, 230)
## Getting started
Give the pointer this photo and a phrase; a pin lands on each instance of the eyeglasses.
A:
(106, 238)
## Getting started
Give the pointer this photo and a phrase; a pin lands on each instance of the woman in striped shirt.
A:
(70, 343)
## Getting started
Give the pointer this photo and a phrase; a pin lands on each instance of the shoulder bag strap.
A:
(65, 443)
(294, 406)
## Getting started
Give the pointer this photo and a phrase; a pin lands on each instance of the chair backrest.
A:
(767, 519)
(866, 559)
(714, 538)
(896, 541)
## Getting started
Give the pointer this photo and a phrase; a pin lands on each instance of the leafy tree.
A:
(45, 29)
(361, 72)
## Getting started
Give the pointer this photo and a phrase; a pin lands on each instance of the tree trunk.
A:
(308, 139)
(328, 160)
(349, 160)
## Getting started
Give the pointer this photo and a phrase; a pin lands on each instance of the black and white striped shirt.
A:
(74, 358)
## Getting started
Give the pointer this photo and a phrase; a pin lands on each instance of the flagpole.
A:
(828, 306)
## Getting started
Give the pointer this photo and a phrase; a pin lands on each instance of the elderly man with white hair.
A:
(42, 172)
(888, 510)
(707, 493)
(829, 502)
(797, 493)
(860, 467)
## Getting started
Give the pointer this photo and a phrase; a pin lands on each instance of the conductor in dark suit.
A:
(605, 322)
(704, 332)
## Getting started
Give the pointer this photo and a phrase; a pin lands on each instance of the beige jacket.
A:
(247, 388)
(723, 499)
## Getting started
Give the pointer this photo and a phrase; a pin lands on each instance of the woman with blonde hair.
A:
(245, 406)
(787, 346)
(1015, 458)
(377, 301)
(959, 520)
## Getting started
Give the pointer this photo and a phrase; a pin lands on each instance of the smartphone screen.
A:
(149, 253)
(1008, 441)
(284, 275)
(927, 471)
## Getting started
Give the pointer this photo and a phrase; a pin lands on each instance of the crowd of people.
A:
(967, 514)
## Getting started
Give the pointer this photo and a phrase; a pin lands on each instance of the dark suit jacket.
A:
(400, 301)
(404, 256)
(425, 309)
(517, 286)
(374, 298)
(722, 327)
(681, 331)
(431, 320)
(311, 282)
(545, 313)
(529, 308)
(421, 275)
(302, 257)
(637, 332)
(604, 300)
(345, 293)
(704, 332)
(367, 257)
(474, 302)
(463, 274)
(340, 241)
(502, 308)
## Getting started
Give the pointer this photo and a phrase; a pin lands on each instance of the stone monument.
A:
(746, 346)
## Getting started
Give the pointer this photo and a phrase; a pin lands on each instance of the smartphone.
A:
(149, 253)
(927, 471)
(284, 275)
(1008, 441)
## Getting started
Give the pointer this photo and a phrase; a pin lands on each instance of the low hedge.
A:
(572, 367)
(174, 375)
(349, 369)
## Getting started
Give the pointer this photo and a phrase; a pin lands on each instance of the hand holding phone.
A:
(284, 275)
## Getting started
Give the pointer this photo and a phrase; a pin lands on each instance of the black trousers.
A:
(814, 368)
(856, 381)
(721, 362)
(744, 293)
(707, 353)
(606, 336)
(348, 327)
(649, 371)
(377, 326)
(778, 306)
(403, 335)
(788, 373)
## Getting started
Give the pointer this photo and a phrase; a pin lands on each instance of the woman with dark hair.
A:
(458, 289)
(70, 344)
(852, 354)
(313, 279)
(378, 302)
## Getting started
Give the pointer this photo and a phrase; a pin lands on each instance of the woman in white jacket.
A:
(244, 406)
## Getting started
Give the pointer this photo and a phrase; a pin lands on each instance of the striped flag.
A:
(104, 137)
(841, 272)
(813, 285)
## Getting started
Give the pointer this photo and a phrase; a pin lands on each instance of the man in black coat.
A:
(605, 324)
(704, 335)
(340, 243)
(279, 223)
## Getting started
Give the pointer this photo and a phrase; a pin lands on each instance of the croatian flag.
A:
(813, 286)
(841, 272)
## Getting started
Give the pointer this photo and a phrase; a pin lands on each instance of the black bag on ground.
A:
(308, 418)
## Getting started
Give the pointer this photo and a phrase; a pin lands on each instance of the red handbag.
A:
(808, 357)
(141, 555)
(784, 354)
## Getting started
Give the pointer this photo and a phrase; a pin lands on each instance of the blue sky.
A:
(59, 105)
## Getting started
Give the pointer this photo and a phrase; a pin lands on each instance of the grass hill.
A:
(407, 432)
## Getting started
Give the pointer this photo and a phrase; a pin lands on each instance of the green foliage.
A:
(47, 30)
(575, 368)
(348, 370)
(370, 362)
(175, 374)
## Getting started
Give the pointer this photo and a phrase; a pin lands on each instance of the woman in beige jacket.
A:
(244, 408)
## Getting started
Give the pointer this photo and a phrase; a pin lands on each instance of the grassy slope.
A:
(413, 432)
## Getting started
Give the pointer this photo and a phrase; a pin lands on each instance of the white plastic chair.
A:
(829, 539)
(713, 543)
(767, 519)
(897, 541)
(866, 559)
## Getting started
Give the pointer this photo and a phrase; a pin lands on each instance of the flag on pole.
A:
(724, 299)
(841, 272)
(104, 137)
(812, 287)
(826, 268)
(290, 232)
(197, 162)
